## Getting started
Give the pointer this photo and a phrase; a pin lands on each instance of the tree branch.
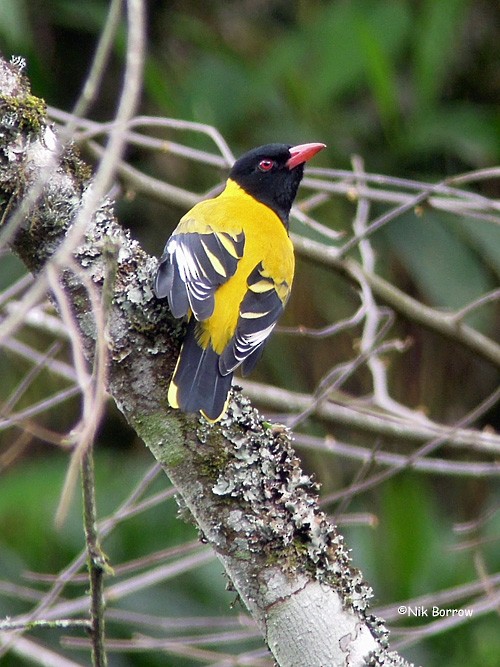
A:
(240, 479)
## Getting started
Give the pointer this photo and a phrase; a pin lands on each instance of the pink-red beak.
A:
(303, 153)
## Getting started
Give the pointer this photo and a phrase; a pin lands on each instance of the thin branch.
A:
(481, 301)
(97, 562)
(17, 418)
(92, 387)
(118, 591)
(329, 330)
(28, 379)
(423, 451)
(438, 195)
(149, 186)
(374, 314)
(92, 129)
(34, 652)
(475, 609)
(361, 418)
(64, 623)
(445, 597)
(333, 380)
(402, 303)
(426, 465)
(99, 62)
(39, 318)
(13, 290)
(105, 528)
(178, 648)
(60, 368)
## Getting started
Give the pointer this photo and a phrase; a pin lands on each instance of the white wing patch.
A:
(193, 266)
(259, 312)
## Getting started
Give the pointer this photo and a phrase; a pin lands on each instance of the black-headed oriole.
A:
(228, 267)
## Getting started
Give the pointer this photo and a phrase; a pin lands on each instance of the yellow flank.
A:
(266, 242)
(172, 389)
(172, 396)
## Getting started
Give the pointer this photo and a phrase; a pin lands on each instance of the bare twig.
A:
(99, 63)
(437, 466)
(423, 451)
(368, 420)
(403, 304)
(97, 561)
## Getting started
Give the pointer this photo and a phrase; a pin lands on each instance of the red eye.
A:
(266, 165)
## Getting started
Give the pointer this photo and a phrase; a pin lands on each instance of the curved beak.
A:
(302, 153)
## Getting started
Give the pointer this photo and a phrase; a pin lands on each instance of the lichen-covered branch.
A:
(240, 479)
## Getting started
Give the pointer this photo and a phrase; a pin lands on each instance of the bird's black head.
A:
(272, 173)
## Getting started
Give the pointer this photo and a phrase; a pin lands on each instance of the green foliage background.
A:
(411, 86)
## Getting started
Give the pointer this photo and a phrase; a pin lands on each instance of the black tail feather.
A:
(198, 384)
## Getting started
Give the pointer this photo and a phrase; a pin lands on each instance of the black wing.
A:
(193, 266)
(259, 311)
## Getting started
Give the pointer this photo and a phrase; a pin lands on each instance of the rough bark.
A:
(240, 479)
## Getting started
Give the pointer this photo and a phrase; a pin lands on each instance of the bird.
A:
(228, 268)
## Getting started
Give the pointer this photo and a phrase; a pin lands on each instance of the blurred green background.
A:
(413, 88)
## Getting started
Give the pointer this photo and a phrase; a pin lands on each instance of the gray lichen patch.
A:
(281, 516)
(275, 519)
